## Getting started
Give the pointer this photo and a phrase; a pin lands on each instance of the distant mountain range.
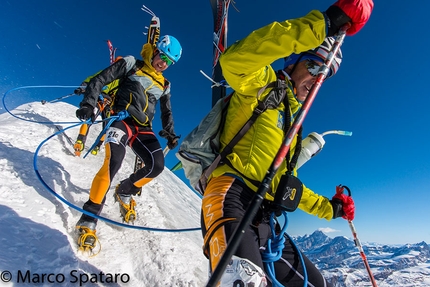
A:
(392, 265)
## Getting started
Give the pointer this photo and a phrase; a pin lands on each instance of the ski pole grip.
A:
(340, 188)
(345, 27)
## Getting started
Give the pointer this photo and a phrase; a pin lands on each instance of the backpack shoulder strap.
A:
(137, 66)
(271, 101)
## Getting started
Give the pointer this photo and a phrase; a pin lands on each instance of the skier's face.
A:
(159, 64)
(304, 77)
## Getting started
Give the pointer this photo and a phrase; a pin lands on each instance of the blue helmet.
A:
(320, 54)
(170, 46)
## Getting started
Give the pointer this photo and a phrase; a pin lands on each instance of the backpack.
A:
(200, 147)
(199, 152)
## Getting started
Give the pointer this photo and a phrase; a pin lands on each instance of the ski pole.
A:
(166, 150)
(57, 99)
(363, 256)
(177, 166)
(282, 152)
(359, 246)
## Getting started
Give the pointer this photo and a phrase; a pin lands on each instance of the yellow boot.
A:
(79, 147)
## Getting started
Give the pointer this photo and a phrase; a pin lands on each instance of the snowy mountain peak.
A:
(341, 263)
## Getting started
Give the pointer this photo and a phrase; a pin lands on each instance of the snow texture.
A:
(37, 231)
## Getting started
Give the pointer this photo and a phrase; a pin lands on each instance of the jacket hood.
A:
(147, 53)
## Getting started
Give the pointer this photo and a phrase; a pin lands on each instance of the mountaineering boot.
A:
(87, 239)
(127, 204)
(79, 147)
(95, 150)
(126, 207)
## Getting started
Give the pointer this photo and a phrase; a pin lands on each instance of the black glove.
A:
(172, 139)
(357, 11)
(343, 205)
(338, 18)
(173, 142)
(337, 208)
(85, 112)
(81, 89)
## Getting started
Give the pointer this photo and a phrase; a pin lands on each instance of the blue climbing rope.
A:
(119, 117)
(36, 153)
(28, 120)
(111, 120)
(273, 252)
(74, 124)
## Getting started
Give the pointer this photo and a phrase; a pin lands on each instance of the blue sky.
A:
(379, 92)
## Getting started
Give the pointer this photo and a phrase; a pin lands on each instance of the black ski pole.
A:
(282, 152)
(57, 99)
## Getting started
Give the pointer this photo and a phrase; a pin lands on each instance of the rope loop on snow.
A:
(33, 121)
(36, 169)
(60, 131)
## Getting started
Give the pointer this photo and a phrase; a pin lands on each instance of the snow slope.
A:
(37, 231)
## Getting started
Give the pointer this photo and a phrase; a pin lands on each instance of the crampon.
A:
(127, 210)
(88, 240)
(78, 147)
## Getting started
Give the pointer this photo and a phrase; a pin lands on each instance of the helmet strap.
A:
(295, 64)
(291, 73)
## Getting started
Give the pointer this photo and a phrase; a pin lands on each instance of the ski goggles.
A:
(166, 59)
(313, 67)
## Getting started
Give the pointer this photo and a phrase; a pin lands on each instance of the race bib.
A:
(114, 135)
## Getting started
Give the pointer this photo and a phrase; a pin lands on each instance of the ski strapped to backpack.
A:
(200, 152)
(220, 16)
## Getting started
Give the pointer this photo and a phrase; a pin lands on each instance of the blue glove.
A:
(122, 115)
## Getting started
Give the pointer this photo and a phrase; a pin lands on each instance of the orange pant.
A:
(223, 205)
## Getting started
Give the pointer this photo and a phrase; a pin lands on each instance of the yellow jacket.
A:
(246, 68)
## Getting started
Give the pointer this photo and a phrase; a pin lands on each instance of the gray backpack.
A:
(199, 151)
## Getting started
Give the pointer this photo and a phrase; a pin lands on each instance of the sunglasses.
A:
(166, 59)
(313, 67)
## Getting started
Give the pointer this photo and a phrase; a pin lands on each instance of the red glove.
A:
(358, 10)
(348, 207)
